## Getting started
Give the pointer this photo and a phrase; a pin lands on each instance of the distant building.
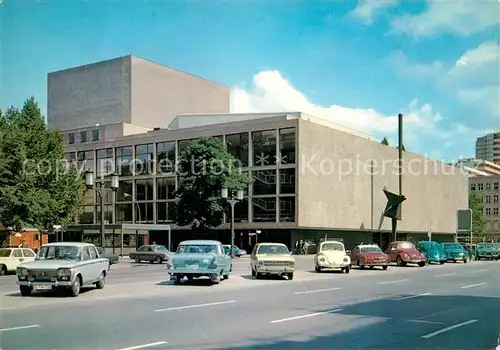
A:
(488, 147)
(487, 188)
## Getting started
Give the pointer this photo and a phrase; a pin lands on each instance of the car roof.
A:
(332, 242)
(367, 245)
(271, 243)
(65, 244)
(200, 241)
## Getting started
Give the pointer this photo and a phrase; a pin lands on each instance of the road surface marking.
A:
(195, 306)
(18, 328)
(424, 321)
(387, 282)
(412, 296)
(145, 345)
(482, 270)
(473, 285)
(446, 274)
(305, 316)
(430, 335)
(316, 291)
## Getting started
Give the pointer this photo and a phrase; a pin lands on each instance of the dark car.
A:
(152, 253)
(112, 257)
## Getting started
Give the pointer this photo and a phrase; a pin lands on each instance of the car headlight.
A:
(260, 263)
(291, 263)
(406, 256)
(64, 272)
(21, 271)
(346, 259)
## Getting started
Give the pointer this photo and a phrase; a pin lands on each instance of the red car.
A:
(404, 253)
(369, 255)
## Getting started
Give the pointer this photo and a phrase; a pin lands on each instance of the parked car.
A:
(10, 258)
(455, 252)
(369, 255)
(332, 255)
(486, 251)
(404, 253)
(151, 253)
(200, 258)
(236, 251)
(433, 251)
(112, 257)
(68, 266)
(272, 259)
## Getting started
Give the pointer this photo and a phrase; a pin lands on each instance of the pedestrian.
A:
(297, 247)
(306, 247)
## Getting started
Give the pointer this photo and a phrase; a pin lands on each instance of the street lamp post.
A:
(90, 183)
(232, 201)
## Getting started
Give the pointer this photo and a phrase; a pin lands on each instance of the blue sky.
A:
(354, 63)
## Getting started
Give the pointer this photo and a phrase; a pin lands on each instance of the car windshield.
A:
(452, 246)
(273, 249)
(5, 253)
(337, 247)
(485, 245)
(197, 248)
(66, 252)
(406, 245)
(369, 249)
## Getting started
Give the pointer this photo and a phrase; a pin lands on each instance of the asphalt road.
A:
(454, 306)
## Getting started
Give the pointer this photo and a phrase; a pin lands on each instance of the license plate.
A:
(43, 287)
(192, 266)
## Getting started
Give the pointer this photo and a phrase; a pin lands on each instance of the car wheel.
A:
(385, 267)
(137, 260)
(75, 288)
(317, 268)
(158, 259)
(466, 261)
(178, 279)
(347, 269)
(25, 291)
(454, 260)
(102, 281)
(290, 276)
(257, 275)
(421, 264)
(226, 277)
(253, 273)
(442, 262)
(216, 279)
(3, 270)
(372, 267)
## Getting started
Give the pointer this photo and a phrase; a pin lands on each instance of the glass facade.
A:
(268, 155)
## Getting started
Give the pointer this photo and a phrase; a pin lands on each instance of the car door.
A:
(95, 265)
(16, 258)
(149, 253)
(226, 258)
(29, 255)
(86, 266)
(392, 251)
(354, 255)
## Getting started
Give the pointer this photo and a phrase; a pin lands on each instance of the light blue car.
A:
(433, 251)
(200, 258)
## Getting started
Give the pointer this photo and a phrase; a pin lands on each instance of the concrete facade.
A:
(487, 189)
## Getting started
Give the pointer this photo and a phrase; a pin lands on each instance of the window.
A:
(495, 211)
(287, 181)
(480, 187)
(264, 182)
(86, 253)
(71, 158)
(183, 145)
(71, 138)
(87, 217)
(124, 193)
(144, 190)
(28, 253)
(487, 211)
(287, 146)
(124, 212)
(144, 212)
(165, 156)
(487, 199)
(237, 146)
(124, 158)
(264, 147)
(108, 214)
(95, 135)
(93, 253)
(488, 186)
(240, 212)
(495, 198)
(165, 188)
(165, 211)
(495, 186)
(287, 209)
(86, 160)
(264, 209)
(83, 136)
(472, 187)
(144, 159)
(104, 163)
(17, 253)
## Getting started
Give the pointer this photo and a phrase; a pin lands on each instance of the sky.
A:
(355, 63)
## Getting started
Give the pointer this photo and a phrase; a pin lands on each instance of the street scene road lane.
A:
(446, 329)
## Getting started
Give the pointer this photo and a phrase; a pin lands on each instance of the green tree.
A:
(206, 167)
(37, 187)
(476, 205)
(385, 141)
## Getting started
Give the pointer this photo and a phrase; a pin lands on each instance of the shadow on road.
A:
(391, 324)
(58, 293)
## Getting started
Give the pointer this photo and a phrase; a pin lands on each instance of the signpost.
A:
(464, 226)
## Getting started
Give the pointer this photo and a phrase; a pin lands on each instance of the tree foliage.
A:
(385, 141)
(476, 205)
(37, 187)
(206, 167)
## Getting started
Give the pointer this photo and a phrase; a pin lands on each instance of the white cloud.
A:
(400, 63)
(463, 17)
(367, 9)
(271, 92)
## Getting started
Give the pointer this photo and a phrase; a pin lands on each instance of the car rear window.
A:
(5, 253)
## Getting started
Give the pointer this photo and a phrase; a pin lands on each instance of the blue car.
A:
(433, 251)
(455, 252)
